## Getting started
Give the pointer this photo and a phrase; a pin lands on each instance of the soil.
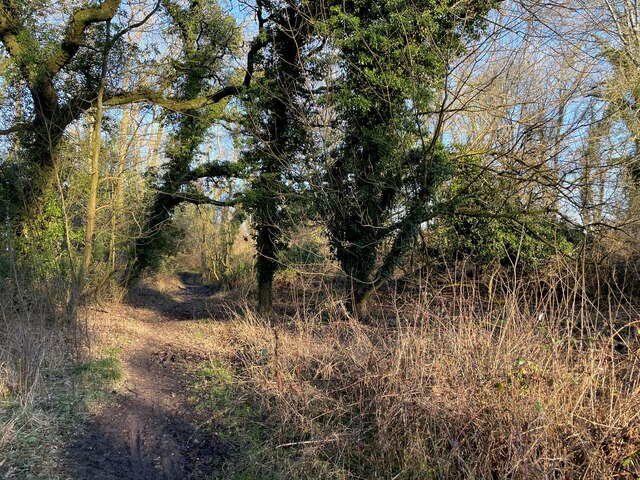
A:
(149, 428)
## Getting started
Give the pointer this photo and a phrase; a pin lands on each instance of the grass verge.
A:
(44, 394)
(453, 387)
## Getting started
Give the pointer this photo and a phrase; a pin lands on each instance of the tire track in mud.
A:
(148, 430)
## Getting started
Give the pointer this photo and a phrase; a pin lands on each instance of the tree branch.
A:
(6, 18)
(211, 170)
(10, 28)
(156, 98)
(197, 198)
(74, 33)
(133, 26)
(16, 128)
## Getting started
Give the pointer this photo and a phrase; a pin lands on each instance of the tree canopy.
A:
(379, 122)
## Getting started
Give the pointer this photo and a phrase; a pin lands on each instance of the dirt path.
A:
(149, 429)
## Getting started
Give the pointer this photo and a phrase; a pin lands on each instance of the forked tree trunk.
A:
(42, 140)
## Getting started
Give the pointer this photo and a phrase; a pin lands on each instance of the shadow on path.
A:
(134, 440)
(183, 300)
(148, 429)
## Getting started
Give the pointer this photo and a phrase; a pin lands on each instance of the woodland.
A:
(320, 239)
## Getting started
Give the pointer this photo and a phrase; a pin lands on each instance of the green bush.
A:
(489, 222)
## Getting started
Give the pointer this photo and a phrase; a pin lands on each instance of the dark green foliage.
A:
(279, 137)
(305, 254)
(381, 182)
(208, 34)
(487, 221)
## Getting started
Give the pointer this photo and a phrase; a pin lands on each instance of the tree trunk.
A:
(117, 200)
(266, 266)
(361, 306)
(42, 140)
(360, 299)
(157, 144)
(265, 295)
(95, 169)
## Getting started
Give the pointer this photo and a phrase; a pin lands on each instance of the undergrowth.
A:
(44, 389)
(525, 384)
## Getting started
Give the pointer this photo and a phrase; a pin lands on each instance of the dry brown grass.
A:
(32, 356)
(530, 385)
(42, 393)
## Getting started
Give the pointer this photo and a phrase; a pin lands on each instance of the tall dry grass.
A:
(514, 378)
(36, 382)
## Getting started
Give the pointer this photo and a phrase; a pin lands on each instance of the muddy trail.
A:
(148, 428)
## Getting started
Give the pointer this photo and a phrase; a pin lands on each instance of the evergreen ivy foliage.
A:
(279, 138)
(208, 35)
(58, 73)
(488, 222)
(376, 69)
(383, 174)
